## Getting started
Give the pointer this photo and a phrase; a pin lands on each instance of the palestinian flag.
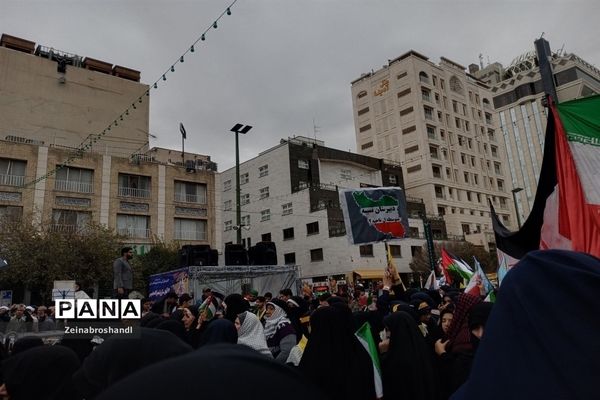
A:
(365, 337)
(566, 210)
(451, 263)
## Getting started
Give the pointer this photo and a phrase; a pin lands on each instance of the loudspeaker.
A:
(263, 253)
(197, 255)
(235, 254)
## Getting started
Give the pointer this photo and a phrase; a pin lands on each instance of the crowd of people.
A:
(430, 344)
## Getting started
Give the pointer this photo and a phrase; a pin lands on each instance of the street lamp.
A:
(514, 192)
(237, 129)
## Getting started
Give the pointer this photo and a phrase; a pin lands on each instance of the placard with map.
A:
(374, 214)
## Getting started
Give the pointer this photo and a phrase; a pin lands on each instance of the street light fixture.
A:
(514, 193)
(237, 129)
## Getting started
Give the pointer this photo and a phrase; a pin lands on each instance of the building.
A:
(45, 115)
(519, 101)
(289, 196)
(438, 123)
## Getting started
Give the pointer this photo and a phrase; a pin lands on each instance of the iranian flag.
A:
(572, 213)
(451, 263)
(479, 284)
(566, 210)
(365, 337)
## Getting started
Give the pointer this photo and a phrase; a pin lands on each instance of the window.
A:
(439, 192)
(134, 186)
(245, 199)
(346, 174)
(497, 168)
(408, 130)
(426, 95)
(190, 229)
(366, 145)
(423, 77)
(362, 94)
(363, 111)
(69, 179)
(228, 226)
(265, 215)
(415, 250)
(288, 233)
(10, 213)
(263, 171)
(494, 151)
(406, 111)
(361, 129)
(455, 85)
(190, 192)
(312, 228)
(433, 152)
(227, 205)
(413, 232)
(411, 149)
(392, 179)
(437, 171)
(428, 113)
(414, 168)
(401, 75)
(245, 221)
(395, 250)
(468, 196)
(70, 220)
(286, 209)
(133, 226)
(289, 258)
(466, 229)
(404, 93)
(244, 178)
(227, 185)
(500, 185)
(264, 193)
(441, 211)
(12, 172)
(265, 237)
(366, 250)
(303, 164)
(431, 132)
(316, 255)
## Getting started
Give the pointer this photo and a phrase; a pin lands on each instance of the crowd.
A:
(536, 341)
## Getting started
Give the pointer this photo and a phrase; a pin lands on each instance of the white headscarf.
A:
(252, 334)
(275, 321)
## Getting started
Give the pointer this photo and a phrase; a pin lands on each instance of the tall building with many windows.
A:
(438, 122)
(519, 100)
(289, 196)
(50, 103)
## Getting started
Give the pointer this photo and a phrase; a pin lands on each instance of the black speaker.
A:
(197, 255)
(263, 253)
(235, 254)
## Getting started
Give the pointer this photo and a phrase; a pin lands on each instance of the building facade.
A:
(519, 101)
(438, 122)
(51, 102)
(289, 196)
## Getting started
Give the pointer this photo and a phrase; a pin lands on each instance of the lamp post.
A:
(237, 129)
(514, 193)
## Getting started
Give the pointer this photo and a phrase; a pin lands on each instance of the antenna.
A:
(542, 35)
(560, 52)
(481, 60)
(316, 129)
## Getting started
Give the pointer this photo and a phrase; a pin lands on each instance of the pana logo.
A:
(98, 309)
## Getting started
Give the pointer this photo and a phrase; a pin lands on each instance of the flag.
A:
(451, 263)
(391, 267)
(491, 297)
(365, 337)
(566, 209)
(479, 284)
(432, 283)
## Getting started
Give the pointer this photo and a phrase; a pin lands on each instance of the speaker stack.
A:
(263, 253)
(197, 255)
(235, 254)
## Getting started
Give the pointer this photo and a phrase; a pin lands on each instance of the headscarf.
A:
(407, 371)
(278, 319)
(459, 333)
(175, 327)
(296, 313)
(42, 372)
(26, 343)
(219, 331)
(334, 360)
(252, 333)
(236, 372)
(541, 337)
(236, 304)
(119, 357)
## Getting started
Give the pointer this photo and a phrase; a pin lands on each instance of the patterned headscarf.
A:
(252, 333)
(459, 334)
(278, 319)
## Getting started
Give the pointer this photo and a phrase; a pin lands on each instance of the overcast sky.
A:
(280, 64)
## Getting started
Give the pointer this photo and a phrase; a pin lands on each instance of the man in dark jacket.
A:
(123, 274)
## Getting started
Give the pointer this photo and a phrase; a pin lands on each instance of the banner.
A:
(177, 281)
(374, 214)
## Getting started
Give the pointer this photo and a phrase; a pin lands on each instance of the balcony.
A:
(190, 235)
(12, 180)
(66, 228)
(134, 232)
(188, 198)
(133, 192)
(71, 186)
